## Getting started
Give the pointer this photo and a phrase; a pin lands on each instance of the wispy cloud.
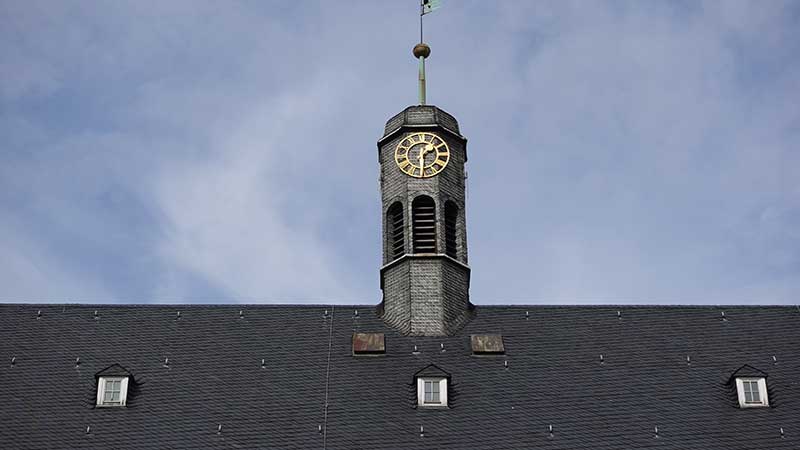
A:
(186, 151)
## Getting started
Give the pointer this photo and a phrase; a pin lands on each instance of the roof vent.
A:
(13, 361)
(88, 429)
(368, 344)
(178, 316)
(550, 431)
(77, 362)
(38, 314)
(487, 344)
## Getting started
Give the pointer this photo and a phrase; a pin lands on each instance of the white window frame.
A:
(762, 392)
(421, 391)
(101, 391)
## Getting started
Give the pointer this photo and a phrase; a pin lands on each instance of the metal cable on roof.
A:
(327, 383)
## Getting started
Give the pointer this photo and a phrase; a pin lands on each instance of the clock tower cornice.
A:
(422, 118)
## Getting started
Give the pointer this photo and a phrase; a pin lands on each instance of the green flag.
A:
(429, 6)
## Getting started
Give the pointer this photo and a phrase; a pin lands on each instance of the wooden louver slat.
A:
(423, 219)
(396, 244)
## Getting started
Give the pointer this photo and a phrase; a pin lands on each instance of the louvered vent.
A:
(423, 212)
(450, 220)
(395, 223)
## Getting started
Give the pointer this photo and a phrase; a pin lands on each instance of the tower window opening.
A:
(396, 227)
(450, 221)
(423, 217)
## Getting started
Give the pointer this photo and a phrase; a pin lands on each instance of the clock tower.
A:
(424, 276)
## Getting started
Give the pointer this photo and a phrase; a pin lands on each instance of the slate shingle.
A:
(554, 377)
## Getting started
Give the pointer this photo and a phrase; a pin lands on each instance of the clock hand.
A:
(427, 149)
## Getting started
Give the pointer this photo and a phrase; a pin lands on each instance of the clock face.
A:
(422, 155)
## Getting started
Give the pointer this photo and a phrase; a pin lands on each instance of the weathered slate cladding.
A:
(428, 296)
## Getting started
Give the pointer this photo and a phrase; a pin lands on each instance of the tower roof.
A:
(421, 115)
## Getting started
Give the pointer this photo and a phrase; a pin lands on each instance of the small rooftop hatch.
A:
(487, 344)
(368, 344)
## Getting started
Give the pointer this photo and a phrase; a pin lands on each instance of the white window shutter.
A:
(101, 386)
(123, 394)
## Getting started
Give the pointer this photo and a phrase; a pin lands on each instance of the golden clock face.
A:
(422, 155)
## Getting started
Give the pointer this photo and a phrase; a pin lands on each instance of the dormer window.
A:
(751, 386)
(432, 391)
(432, 387)
(112, 386)
(752, 392)
(112, 391)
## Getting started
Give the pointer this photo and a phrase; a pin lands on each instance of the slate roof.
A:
(554, 378)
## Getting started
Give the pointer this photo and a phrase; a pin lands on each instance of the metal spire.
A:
(421, 51)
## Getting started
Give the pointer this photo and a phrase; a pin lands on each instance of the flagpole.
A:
(421, 13)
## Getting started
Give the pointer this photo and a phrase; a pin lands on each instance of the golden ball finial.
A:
(422, 50)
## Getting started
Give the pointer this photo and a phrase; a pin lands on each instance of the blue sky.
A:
(189, 151)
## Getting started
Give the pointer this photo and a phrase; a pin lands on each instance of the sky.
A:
(225, 152)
